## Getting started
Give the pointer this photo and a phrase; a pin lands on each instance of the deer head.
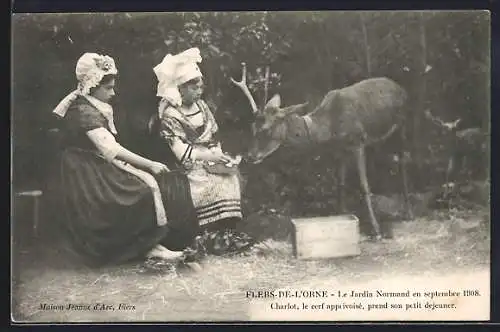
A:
(268, 128)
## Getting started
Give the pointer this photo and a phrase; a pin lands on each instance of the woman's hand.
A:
(157, 168)
(218, 156)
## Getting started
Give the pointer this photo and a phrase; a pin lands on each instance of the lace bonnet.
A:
(175, 70)
(90, 70)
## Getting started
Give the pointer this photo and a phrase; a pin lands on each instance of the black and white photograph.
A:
(252, 166)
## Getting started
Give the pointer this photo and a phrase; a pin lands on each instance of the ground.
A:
(442, 243)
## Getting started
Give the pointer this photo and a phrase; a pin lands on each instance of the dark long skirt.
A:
(108, 214)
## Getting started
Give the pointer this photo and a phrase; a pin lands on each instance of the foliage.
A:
(441, 58)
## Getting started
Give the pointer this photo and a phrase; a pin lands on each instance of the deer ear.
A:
(274, 102)
(295, 108)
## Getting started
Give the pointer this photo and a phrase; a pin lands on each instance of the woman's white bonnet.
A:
(91, 68)
(175, 70)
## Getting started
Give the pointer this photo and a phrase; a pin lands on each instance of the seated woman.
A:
(188, 127)
(116, 205)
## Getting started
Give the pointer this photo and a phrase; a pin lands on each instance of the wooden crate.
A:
(326, 237)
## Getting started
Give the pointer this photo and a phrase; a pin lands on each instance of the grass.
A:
(448, 242)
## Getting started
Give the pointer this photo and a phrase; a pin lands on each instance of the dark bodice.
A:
(80, 118)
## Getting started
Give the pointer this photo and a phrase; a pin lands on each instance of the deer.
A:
(466, 144)
(349, 119)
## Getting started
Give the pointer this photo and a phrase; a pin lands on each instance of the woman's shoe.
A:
(191, 254)
(157, 265)
(163, 253)
(162, 260)
(242, 241)
(226, 242)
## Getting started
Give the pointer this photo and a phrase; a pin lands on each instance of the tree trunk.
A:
(367, 45)
(417, 134)
(368, 61)
(266, 86)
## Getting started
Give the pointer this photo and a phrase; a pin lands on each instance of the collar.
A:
(308, 124)
(210, 126)
(299, 130)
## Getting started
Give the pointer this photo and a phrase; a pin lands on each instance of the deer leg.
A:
(361, 163)
(465, 168)
(404, 176)
(341, 185)
(449, 170)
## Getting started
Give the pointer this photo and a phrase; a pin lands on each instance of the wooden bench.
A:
(35, 195)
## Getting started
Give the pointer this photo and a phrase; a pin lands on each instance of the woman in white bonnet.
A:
(187, 126)
(116, 205)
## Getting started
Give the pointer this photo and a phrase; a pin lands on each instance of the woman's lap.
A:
(111, 216)
(215, 197)
(110, 213)
(182, 219)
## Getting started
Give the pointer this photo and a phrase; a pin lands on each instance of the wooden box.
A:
(326, 237)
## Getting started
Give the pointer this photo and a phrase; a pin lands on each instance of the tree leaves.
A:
(308, 53)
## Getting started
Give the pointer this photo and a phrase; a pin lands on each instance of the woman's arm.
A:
(110, 149)
(182, 149)
(140, 162)
(173, 134)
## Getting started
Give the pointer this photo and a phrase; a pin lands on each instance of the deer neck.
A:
(299, 130)
(308, 126)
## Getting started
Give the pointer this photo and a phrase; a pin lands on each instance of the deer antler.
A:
(243, 86)
(266, 85)
(447, 125)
